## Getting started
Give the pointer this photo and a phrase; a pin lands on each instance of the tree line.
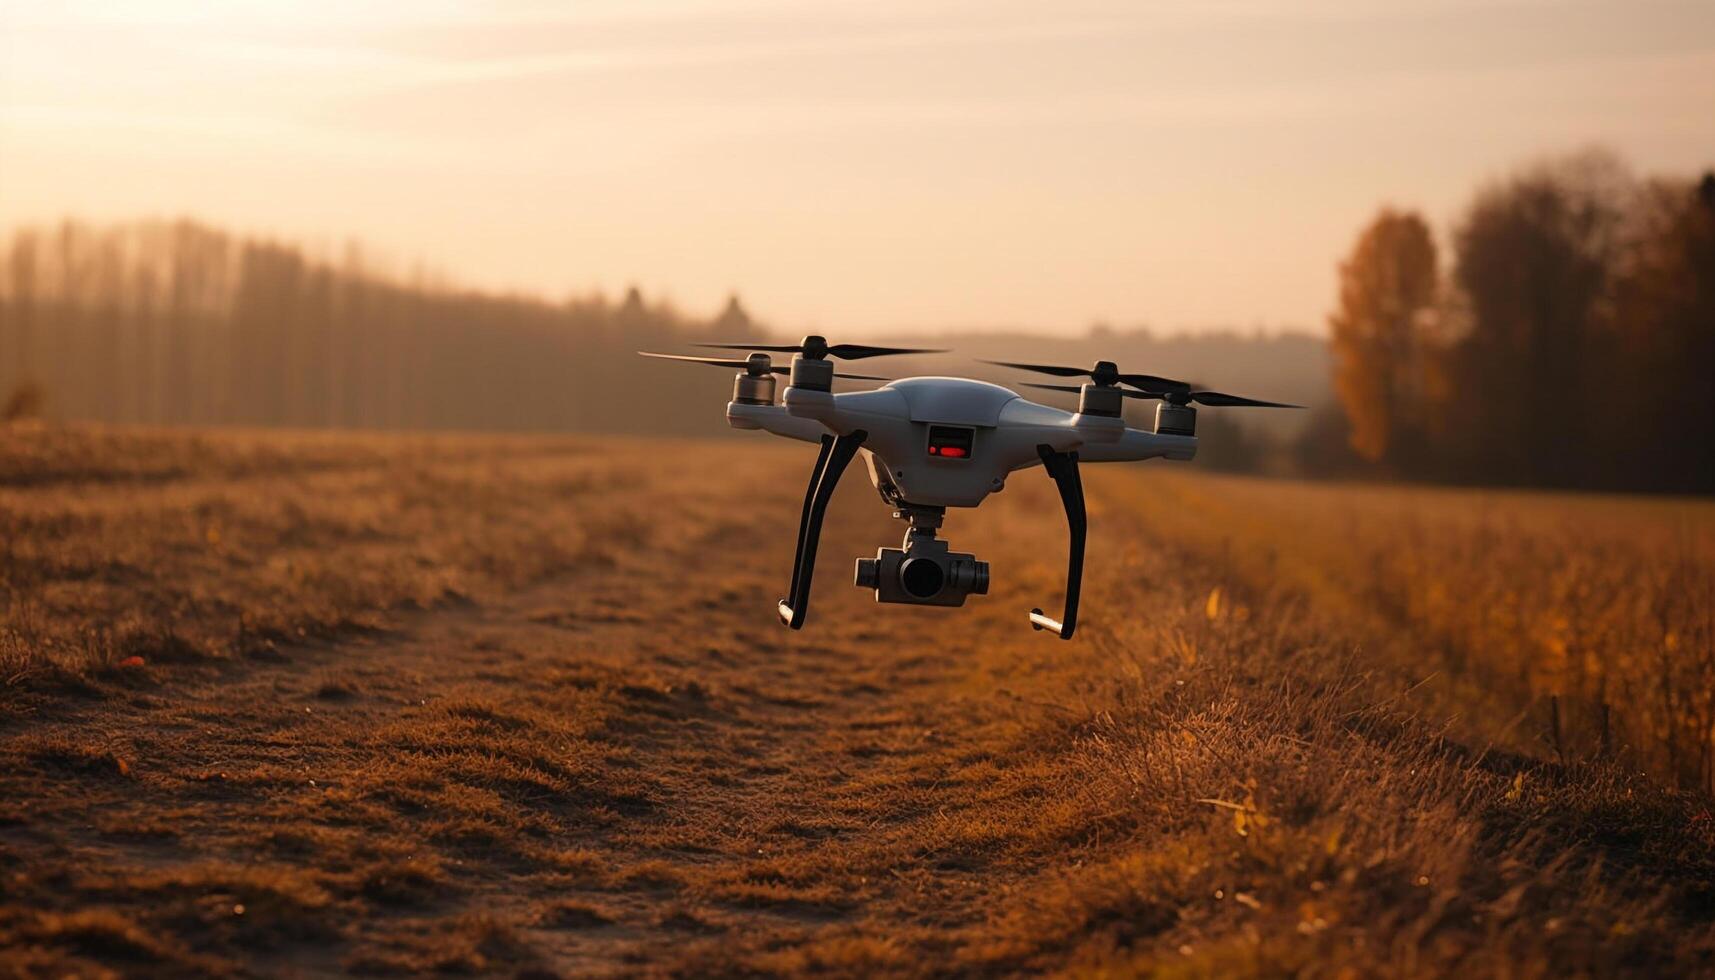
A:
(1568, 342)
(176, 322)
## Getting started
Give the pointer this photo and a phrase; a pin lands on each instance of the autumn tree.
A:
(19, 314)
(1535, 257)
(1571, 346)
(1662, 334)
(1381, 336)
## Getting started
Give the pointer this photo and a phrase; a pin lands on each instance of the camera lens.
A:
(868, 573)
(921, 577)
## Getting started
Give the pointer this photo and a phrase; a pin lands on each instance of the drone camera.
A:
(925, 573)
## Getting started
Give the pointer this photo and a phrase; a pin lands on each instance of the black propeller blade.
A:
(1104, 373)
(750, 368)
(1218, 399)
(818, 348)
(1212, 398)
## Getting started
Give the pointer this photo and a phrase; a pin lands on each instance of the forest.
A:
(176, 323)
(1569, 341)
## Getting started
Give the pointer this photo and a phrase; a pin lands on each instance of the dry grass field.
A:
(276, 704)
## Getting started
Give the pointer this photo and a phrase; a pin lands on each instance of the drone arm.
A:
(1135, 444)
(831, 462)
(775, 419)
(1063, 467)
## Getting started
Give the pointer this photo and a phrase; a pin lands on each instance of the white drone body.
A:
(937, 442)
(992, 431)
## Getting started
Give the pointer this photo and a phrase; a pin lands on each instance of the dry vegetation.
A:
(519, 706)
(1582, 627)
(176, 548)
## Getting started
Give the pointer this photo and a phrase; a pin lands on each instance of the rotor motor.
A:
(755, 386)
(1103, 401)
(1175, 420)
(812, 373)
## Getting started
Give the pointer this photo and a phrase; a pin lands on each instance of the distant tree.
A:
(633, 311)
(1381, 328)
(25, 401)
(105, 326)
(19, 314)
(1535, 257)
(1663, 336)
(733, 321)
(1323, 447)
(1227, 446)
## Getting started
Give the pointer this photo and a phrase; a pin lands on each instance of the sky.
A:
(863, 167)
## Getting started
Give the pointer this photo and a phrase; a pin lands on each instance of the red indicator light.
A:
(950, 441)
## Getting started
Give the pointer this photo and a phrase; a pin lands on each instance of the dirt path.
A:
(602, 773)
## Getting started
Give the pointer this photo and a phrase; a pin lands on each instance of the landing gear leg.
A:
(1063, 467)
(831, 462)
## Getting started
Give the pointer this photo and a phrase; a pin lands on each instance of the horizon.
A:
(381, 268)
(892, 171)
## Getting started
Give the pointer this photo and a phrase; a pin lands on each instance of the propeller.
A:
(1105, 373)
(817, 348)
(756, 366)
(1212, 398)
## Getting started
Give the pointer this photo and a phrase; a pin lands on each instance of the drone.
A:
(931, 443)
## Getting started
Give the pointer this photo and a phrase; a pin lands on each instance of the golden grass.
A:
(1581, 626)
(542, 722)
(174, 548)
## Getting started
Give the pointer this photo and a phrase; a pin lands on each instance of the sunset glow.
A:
(874, 166)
